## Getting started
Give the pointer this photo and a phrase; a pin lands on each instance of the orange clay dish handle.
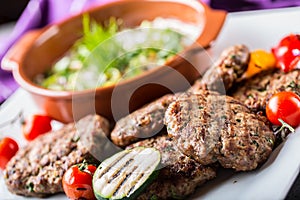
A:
(214, 22)
(17, 52)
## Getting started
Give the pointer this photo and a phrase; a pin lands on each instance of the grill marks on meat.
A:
(148, 121)
(231, 65)
(217, 128)
(179, 176)
(142, 123)
(38, 168)
(205, 128)
(256, 92)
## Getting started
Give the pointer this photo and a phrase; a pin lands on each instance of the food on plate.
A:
(148, 121)
(256, 92)
(109, 53)
(8, 148)
(188, 136)
(143, 123)
(216, 128)
(284, 106)
(126, 174)
(287, 53)
(38, 168)
(179, 175)
(260, 60)
(220, 77)
(77, 181)
(36, 125)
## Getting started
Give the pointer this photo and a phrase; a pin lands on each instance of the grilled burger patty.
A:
(231, 65)
(148, 121)
(142, 123)
(255, 92)
(179, 176)
(217, 128)
(38, 168)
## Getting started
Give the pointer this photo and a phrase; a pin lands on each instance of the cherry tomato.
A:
(287, 52)
(77, 181)
(8, 148)
(36, 125)
(284, 106)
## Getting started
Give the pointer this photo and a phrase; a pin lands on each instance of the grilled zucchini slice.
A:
(126, 174)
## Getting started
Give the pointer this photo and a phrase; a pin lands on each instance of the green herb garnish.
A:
(103, 56)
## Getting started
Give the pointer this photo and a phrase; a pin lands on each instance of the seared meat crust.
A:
(142, 123)
(217, 128)
(232, 63)
(179, 176)
(38, 168)
(256, 92)
(148, 121)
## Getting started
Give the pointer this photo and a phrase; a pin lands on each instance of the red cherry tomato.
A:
(8, 148)
(77, 181)
(287, 53)
(36, 125)
(285, 106)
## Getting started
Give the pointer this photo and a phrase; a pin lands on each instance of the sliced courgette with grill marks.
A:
(126, 174)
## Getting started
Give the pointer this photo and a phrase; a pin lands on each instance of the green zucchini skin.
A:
(107, 174)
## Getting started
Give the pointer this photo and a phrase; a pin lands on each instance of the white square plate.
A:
(257, 30)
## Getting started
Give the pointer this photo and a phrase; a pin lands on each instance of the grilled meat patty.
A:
(38, 168)
(142, 123)
(148, 121)
(179, 175)
(255, 92)
(231, 65)
(217, 128)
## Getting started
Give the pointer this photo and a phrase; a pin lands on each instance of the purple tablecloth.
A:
(39, 13)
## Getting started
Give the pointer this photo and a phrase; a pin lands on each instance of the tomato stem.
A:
(284, 125)
(82, 166)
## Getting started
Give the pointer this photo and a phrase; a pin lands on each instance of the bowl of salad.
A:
(114, 58)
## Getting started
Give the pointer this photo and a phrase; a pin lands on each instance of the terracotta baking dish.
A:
(37, 50)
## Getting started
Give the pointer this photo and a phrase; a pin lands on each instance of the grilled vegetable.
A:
(77, 181)
(126, 174)
(287, 52)
(259, 60)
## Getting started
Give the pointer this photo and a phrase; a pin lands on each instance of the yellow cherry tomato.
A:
(260, 60)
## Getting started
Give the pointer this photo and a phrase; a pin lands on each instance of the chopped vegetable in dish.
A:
(107, 54)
